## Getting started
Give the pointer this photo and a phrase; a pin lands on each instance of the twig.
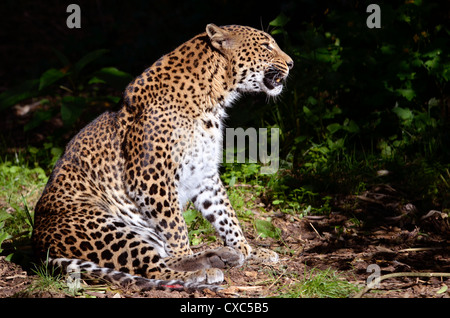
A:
(276, 280)
(402, 274)
(16, 276)
(320, 236)
(420, 249)
(315, 217)
(367, 199)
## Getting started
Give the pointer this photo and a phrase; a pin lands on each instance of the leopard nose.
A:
(290, 64)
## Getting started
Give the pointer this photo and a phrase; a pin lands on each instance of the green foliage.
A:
(247, 173)
(69, 91)
(320, 284)
(20, 187)
(45, 156)
(199, 229)
(265, 228)
(362, 100)
(301, 201)
(4, 235)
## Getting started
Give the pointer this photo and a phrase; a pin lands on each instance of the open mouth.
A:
(273, 78)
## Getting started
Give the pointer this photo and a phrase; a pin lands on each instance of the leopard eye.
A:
(268, 46)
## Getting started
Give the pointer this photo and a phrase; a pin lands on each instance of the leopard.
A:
(113, 205)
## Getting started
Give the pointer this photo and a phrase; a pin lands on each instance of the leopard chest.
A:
(200, 152)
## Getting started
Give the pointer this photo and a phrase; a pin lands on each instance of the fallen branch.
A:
(394, 275)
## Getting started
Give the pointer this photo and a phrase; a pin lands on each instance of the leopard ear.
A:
(220, 38)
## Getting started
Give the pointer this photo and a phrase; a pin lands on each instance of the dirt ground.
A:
(343, 241)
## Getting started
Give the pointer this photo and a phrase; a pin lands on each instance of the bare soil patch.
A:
(13, 278)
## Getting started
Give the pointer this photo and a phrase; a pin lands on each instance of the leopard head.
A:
(257, 63)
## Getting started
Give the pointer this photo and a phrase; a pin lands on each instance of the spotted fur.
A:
(113, 203)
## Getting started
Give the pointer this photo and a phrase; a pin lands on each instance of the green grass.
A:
(320, 284)
(20, 188)
(48, 279)
(51, 280)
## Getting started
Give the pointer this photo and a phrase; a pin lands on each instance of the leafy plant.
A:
(4, 235)
(70, 90)
(199, 229)
(265, 228)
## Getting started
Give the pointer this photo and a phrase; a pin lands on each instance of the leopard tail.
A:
(77, 268)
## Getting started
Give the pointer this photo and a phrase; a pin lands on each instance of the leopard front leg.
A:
(213, 202)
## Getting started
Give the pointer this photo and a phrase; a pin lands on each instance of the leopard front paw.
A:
(263, 255)
(260, 255)
(224, 257)
(245, 249)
